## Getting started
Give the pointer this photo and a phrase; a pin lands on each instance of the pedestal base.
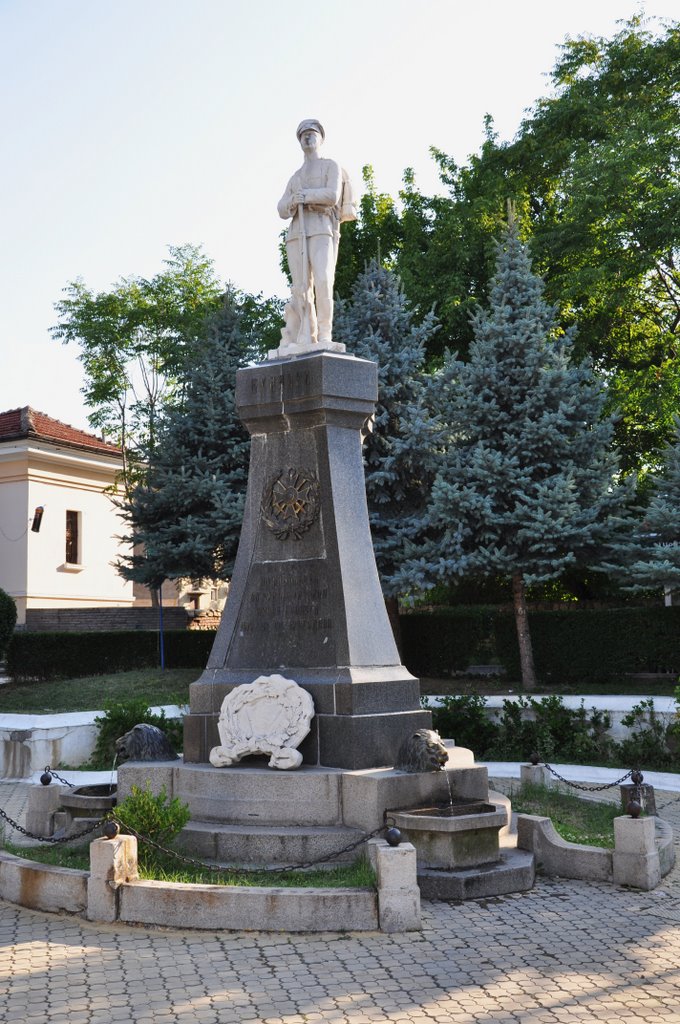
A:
(335, 741)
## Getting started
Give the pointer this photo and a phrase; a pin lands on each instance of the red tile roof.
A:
(29, 423)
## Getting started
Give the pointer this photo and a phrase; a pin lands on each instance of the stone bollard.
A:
(635, 860)
(534, 775)
(643, 793)
(43, 803)
(112, 862)
(398, 892)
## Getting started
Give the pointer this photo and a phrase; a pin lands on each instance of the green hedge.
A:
(444, 641)
(584, 645)
(8, 618)
(593, 645)
(69, 655)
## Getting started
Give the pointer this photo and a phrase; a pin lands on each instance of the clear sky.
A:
(131, 125)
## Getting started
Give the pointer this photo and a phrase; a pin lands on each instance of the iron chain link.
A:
(217, 868)
(52, 839)
(55, 775)
(587, 789)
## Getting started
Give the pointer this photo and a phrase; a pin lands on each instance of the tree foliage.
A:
(138, 340)
(185, 517)
(645, 554)
(133, 342)
(594, 174)
(526, 482)
(377, 323)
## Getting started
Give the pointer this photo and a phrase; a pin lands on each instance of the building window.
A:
(72, 538)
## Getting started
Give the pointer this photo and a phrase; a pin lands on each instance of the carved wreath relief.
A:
(272, 715)
(290, 503)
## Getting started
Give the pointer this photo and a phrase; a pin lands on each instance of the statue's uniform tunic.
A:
(322, 184)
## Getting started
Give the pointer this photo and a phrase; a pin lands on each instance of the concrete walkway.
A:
(564, 952)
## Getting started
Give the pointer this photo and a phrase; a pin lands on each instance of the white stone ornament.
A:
(271, 715)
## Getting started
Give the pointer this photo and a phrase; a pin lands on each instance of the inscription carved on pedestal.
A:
(290, 503)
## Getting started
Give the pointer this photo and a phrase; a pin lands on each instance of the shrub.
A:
(8, 618)
(526, 725)
(553, 731)
(119, 718)
(652, 744)
(153, 817)
(41, 656)
(464, 719)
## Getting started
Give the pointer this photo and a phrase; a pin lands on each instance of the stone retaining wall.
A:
(90, 620)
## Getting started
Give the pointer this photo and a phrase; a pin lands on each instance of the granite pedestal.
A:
(305, 599)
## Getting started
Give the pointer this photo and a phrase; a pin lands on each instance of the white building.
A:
(64, 557)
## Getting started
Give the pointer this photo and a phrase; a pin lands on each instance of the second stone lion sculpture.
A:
(145, 742)
(422, 751)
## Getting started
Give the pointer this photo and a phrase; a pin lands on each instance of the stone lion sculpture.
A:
(145, 742)
(422, 751)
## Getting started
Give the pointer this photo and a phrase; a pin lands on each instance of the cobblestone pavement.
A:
(565, 952)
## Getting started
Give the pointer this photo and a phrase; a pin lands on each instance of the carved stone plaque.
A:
(271, 715)
(290, 503)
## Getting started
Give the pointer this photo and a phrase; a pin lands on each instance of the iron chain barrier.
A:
(55, 840)
(594, 789)
(50, 774)
(221, 868)
(203, 865)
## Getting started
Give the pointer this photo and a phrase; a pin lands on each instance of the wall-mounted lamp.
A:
(37, 519)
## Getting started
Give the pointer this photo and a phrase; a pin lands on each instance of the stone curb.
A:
(100, 895)
(558, 857)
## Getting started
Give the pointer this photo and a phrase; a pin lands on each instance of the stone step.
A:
(260, 846)
(260, 796)
(514, 872)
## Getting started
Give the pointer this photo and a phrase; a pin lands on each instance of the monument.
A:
(305, 599)
(304, 669)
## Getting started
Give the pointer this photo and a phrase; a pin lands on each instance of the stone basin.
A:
(89, 801)
(459, 835)
(453, 810)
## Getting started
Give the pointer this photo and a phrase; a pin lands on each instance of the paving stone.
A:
(563, 953)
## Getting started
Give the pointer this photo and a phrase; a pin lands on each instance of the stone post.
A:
(112, 862)
(643, 793)
(398, 892)
(534, 775)
(43, 802)
(635, 860)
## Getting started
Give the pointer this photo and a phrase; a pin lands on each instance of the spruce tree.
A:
(526, 483)
(645, 554)
(185, 519)
(378, 324)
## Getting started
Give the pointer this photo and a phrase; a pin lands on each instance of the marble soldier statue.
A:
(318, 199)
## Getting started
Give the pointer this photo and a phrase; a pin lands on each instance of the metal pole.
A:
(160, 626)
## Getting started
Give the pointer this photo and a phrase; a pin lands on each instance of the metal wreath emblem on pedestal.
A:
(291, 503)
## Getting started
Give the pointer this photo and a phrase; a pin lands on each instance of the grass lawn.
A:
(653, 686)
(172, 687)
(89, 693)
(577, 820)
(357, 875)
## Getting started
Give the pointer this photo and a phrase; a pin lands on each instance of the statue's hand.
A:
(298, 197)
